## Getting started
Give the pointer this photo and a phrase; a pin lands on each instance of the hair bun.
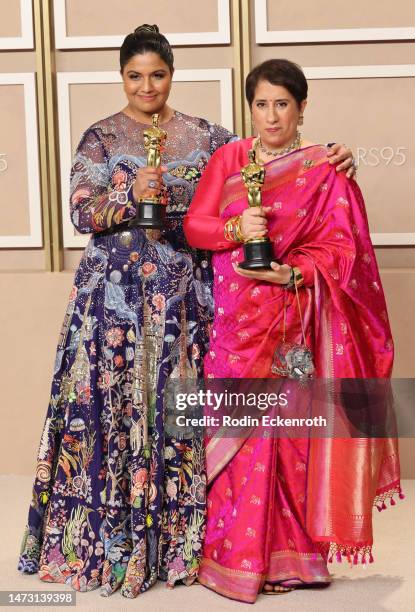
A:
(146, 39)
(145, 27)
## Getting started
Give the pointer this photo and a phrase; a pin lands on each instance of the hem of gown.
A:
(29, 564)
(299, 569)
(73, 580)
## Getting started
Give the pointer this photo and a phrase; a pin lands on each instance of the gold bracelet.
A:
(296, 278)
(238, 229)
(227, 230)
(232, 229)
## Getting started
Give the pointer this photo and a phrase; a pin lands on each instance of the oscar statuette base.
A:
(258, 254)
(150, 214)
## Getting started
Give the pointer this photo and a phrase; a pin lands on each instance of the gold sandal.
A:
(281, 590)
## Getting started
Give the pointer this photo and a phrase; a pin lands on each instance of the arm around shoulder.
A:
(203, 225)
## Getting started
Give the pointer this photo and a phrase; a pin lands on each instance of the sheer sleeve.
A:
(220, 136)
(202, 224)
(97, 200)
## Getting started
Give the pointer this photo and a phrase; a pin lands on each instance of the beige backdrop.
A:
(13, 177)
(175, 16)
(10, 18)
(326, 14)
(372, 114)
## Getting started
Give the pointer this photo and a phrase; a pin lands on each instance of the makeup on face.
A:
(275, 113)
(147, 82)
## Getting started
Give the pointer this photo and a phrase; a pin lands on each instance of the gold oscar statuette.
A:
(258, 251)
(151, 211)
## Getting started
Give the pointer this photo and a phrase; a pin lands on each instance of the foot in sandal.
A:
(275, 589)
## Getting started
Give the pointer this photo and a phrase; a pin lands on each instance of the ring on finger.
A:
(152, 184)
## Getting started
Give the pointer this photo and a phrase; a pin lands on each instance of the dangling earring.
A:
(301, 120)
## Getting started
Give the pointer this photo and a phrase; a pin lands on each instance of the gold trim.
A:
(308, 556)
(227, 571)
(43, 153)
(225, 459)
(237, 69)
(46, 108)
(242, 64)
(51, 118)
(246, 61)
(211, 584)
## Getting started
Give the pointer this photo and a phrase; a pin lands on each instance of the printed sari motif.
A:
(278, 510)
(116, 503)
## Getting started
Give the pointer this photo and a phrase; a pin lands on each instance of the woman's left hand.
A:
(342, 156)
(279, 274)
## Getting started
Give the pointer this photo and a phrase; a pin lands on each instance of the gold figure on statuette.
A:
(258, 251)
(151, 210)
(253, 176)
(154, 140)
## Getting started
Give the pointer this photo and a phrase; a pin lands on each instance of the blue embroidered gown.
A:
(116, 502)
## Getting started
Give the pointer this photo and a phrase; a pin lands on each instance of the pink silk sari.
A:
(279, 509)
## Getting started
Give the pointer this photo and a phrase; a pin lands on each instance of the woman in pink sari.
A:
(279, 509)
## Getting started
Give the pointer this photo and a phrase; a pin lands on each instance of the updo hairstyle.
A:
(146, 39)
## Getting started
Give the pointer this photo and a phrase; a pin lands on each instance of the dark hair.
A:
(146, 39)
(277, 72)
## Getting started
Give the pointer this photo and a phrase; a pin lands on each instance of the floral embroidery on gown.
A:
(115, 501)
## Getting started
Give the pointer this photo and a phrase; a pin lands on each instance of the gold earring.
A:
(301, 120)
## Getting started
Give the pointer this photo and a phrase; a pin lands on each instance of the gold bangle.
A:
(232, 229)
(227, 230)
(238, 229)
(298, 277)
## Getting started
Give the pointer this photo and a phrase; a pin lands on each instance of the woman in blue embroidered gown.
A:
(116, 502)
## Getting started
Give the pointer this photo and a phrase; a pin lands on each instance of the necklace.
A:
(161, 120)
(292, 147)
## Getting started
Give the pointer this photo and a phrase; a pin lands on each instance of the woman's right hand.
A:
(143, 177)
(254, 222)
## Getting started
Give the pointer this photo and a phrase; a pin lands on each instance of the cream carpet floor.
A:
(386, 585)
